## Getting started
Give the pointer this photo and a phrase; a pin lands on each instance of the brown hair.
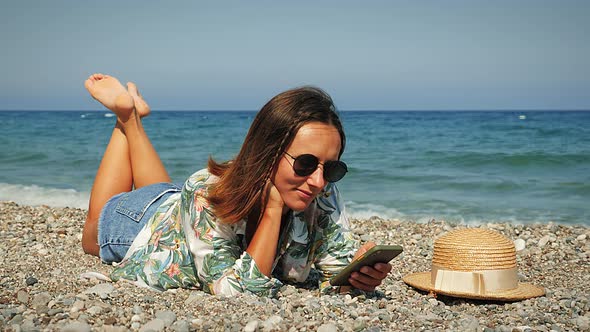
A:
(243, 179)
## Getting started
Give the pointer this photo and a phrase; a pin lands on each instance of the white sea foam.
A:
(34, 195)
(366, 210)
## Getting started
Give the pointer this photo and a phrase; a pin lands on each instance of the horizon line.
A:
(339, 110)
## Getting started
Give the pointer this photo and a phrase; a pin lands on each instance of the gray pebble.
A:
(22, 296)
(30, 281)
(42, 298)
(154, 325)
(272, 323)
(168, 317)
(103, 290)
(41, 309)
(470, 323)
(76, 327)
(149, 299)
(181, 326)
(583, 323)
(137, 309)
(16, 320)
(327, 328)
(111, 328)
(359, 324)
(29, 326)
(365, 237)
(94, 310)
(55, 311)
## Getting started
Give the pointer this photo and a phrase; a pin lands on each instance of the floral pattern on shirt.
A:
(185, 245)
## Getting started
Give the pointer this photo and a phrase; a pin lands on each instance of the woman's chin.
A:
(297, 206)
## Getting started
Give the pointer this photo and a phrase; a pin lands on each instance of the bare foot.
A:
(141, 107)
(109, 92)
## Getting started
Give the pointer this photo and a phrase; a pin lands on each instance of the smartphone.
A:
(377, 254)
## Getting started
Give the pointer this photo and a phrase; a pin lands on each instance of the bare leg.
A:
(146, 165)
(121, 166)
(114, 173)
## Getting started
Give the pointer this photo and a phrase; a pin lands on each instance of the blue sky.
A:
(235, 55)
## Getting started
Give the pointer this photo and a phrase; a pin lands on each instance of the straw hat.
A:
(474, 263)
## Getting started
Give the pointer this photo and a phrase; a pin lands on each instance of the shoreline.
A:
(41, 289)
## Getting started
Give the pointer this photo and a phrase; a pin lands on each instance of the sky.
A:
(236, 55)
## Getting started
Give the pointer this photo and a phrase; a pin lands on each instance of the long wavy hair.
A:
(243, 179)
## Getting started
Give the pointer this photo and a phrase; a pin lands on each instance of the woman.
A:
(246, 225)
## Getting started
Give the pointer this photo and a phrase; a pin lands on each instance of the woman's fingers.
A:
(370, 277)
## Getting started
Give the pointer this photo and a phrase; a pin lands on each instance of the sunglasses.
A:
(306, 164)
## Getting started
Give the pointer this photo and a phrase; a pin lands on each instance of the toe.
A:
(132, 88)
(89, 83)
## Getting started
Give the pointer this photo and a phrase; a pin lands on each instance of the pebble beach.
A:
(47, 283)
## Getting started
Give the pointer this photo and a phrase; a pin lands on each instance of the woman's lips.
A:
(305, 194)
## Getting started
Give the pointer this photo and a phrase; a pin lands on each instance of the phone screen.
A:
(377, 254)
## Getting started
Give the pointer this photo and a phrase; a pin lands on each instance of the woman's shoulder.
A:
(201, 179)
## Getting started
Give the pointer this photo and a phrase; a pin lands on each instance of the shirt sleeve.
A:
(338, 245)
(222, 264)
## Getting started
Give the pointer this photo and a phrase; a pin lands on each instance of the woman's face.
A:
(318, 139)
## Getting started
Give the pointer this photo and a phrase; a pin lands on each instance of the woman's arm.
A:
(222, 265)
(263, 246)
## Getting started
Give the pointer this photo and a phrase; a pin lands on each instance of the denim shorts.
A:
(125, 214)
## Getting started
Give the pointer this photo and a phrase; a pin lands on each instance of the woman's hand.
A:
(274, 199)
(369, 277)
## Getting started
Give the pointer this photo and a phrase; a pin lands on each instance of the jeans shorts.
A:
(124, 215)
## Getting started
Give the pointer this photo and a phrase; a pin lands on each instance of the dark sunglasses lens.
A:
(305, 164)
(334, 170)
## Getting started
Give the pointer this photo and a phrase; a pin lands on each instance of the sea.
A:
(472, 167)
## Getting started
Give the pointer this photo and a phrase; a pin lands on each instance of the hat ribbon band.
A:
(474, 282)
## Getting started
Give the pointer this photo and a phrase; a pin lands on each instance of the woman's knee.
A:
(90, 236)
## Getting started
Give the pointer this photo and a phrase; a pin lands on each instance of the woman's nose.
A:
(316, 178)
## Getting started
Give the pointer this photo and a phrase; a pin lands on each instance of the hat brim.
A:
(422, 281)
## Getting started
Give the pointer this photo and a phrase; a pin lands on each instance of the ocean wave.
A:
(366, 210)
(474, 159)
(35, 195)
(22, 157)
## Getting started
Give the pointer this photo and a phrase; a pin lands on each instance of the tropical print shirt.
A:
(185, 245)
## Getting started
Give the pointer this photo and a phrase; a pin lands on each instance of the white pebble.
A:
(519, 244)
(251, 326)
(272, 323)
